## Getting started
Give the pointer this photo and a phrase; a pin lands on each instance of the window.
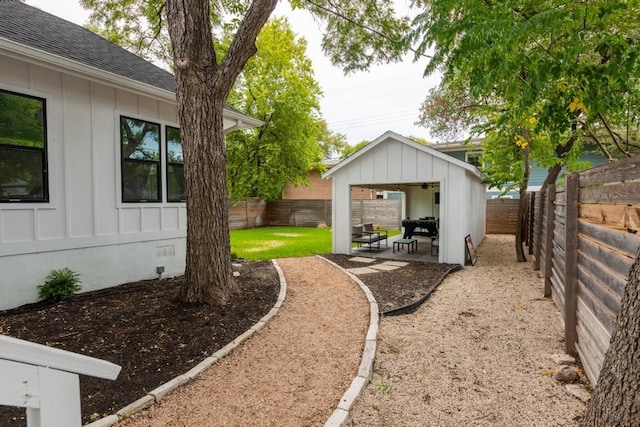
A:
(23, 148)
(474, 158)
(140, 149)
(175, 165)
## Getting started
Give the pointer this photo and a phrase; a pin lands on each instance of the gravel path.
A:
(477, 353)
(291, 373)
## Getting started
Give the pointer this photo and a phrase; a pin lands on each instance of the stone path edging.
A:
(340, 415)
(156, 395)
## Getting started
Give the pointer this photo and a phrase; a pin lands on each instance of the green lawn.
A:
(282, 242)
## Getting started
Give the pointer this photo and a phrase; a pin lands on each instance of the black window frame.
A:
(42, 150)
(124, 161)
(169, 163)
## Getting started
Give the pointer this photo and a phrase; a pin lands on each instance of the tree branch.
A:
(627, 142)
(613, 135)
(600, 145)
(340, 15)
(155, 34)
(243, 45)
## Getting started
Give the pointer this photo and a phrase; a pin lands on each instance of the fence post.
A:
(548, 254)
(571, 264)
(538, 229)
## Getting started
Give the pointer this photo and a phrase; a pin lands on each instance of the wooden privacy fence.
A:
(311, 213)
(585, 242)
(501, 213)
(502, 216)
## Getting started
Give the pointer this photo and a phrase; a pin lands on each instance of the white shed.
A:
(90, 158)
(432, 184)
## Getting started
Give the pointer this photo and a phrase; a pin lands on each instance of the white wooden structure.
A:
(44, 380)
(433, 184)
(87, 85)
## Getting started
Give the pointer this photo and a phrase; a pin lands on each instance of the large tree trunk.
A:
(523, 205)
(616, 400)
(202, 87)
(554, 171)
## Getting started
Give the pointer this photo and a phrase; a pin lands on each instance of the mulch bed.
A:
(397, 288)
(141, 327)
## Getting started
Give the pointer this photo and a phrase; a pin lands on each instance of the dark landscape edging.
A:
(156, 395)
(340, 415)
(413, 306)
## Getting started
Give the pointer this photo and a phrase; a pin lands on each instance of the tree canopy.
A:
(562, 71)
(278, 87)
(359, 34)
(536, 78)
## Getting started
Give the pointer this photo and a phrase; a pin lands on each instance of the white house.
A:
(91, 173)
(434, 185)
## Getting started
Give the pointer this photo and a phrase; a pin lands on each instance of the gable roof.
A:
(42, 36)
(40, 30)
(392, 135)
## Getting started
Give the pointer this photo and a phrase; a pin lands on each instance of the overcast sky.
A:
(361, 106)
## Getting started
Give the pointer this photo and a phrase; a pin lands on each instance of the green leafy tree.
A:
(419, 140)
(351, 149)
(278, 87)
(359, 34)
(332, 143)
(565, 70)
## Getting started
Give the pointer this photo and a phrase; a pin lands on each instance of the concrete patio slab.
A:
(396, 263)
(361, 270)
(362, 259)
(384, 267)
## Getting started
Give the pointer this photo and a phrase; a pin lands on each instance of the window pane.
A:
(21, 174)
(21, 120)
(175, 170)
(140, 181)
(22, 148)
(140, 139)
(474, 158)
(175, 181)
(174, 145)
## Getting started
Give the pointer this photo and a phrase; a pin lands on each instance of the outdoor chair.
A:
(365, 234)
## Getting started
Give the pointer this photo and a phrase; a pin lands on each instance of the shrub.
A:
(60, 285)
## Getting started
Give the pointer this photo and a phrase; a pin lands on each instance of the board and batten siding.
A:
(393, 159)
(85, 219)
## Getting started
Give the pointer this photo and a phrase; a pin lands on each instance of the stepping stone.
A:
(396, 263)
(362, 270)
(579, 391)
(384, 267)
(362, 259)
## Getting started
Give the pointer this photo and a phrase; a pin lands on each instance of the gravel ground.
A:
(291, 373)
(477, 353)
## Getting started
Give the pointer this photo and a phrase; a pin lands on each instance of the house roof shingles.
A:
(40, 30)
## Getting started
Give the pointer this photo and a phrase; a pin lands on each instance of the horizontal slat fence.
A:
(558, 249)
(305, 213)
(385, 213)
(594, 224)
(247, 213)
(311, 213)
(502, 216)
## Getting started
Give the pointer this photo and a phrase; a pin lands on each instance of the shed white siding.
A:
(394, 160)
